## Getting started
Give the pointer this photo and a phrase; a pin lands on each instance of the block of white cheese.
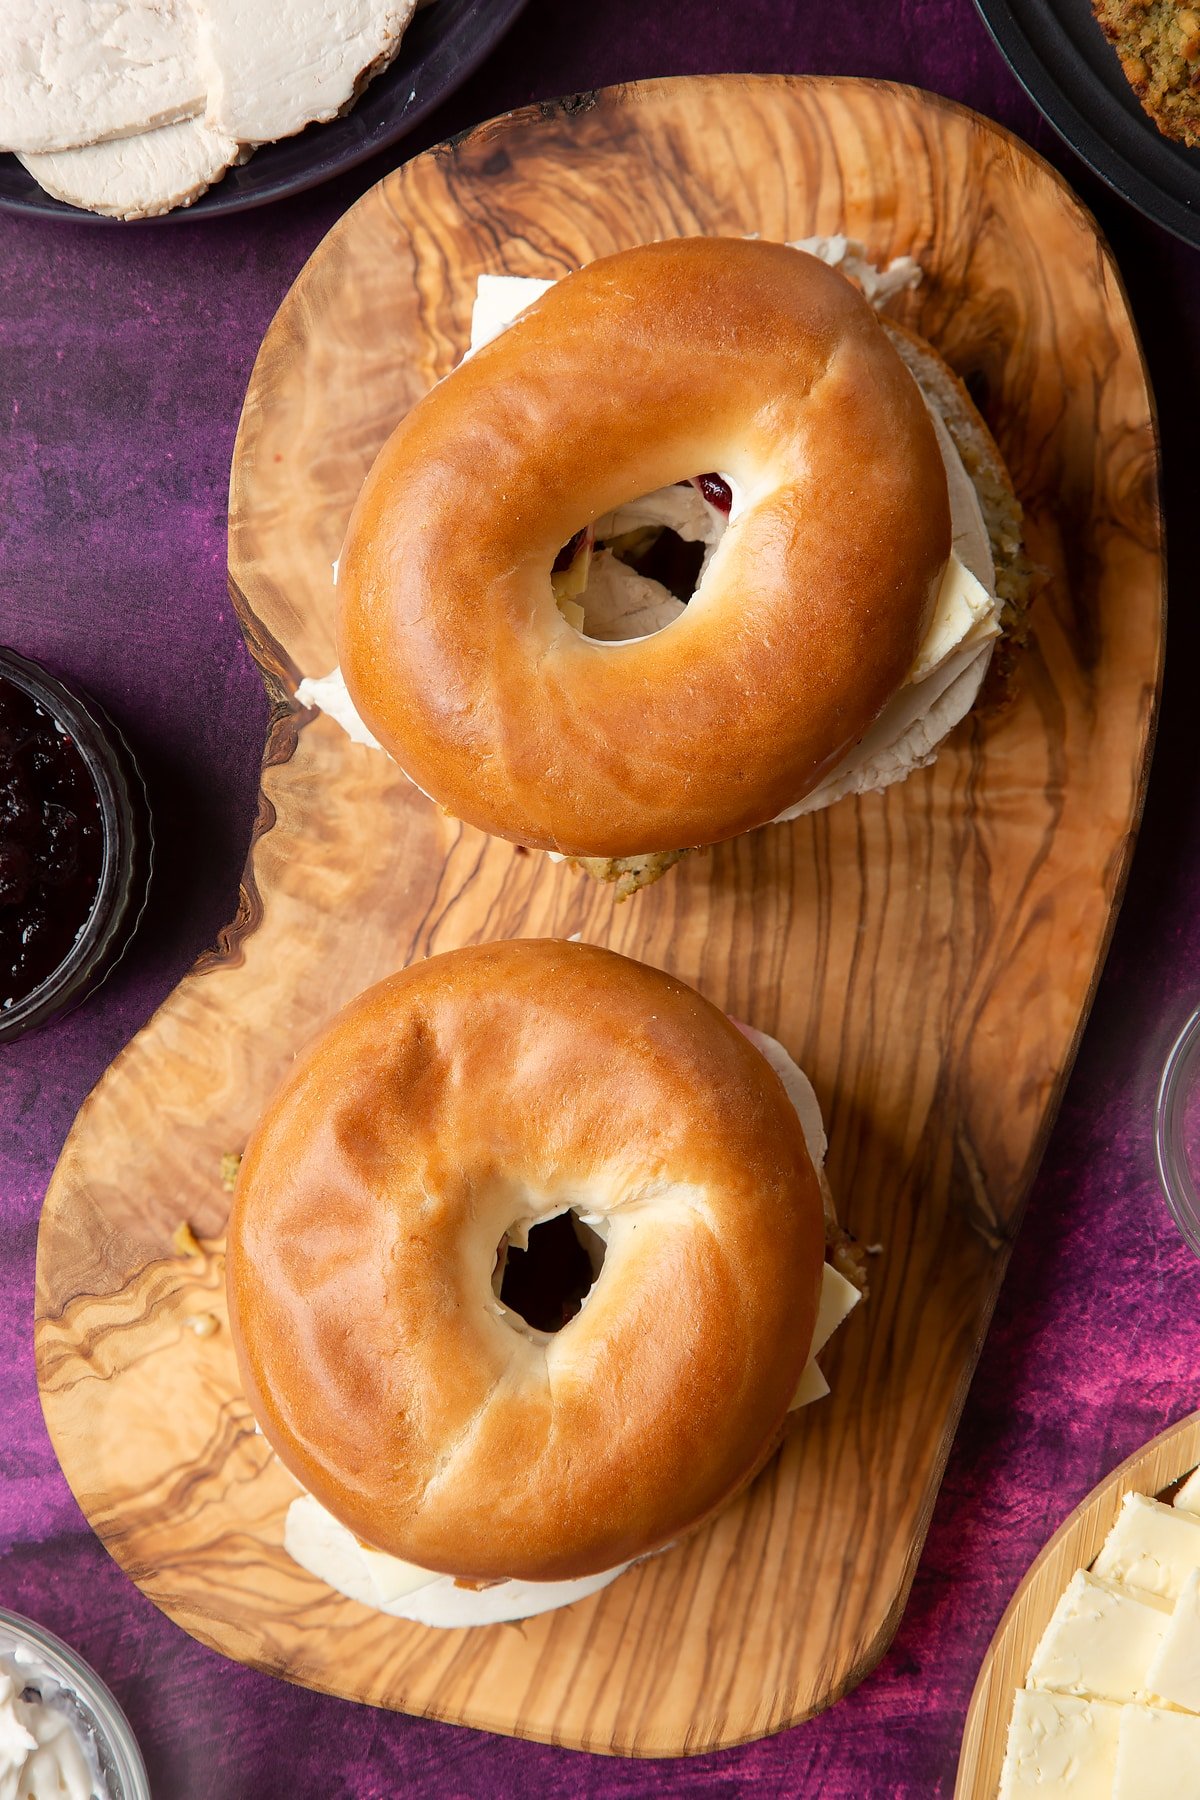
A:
(138, 177)
(1174, 1673)
(1158, 1755)
(838, 1299)
(499, 301)
(309, 60)
(1188, 1497)
(1060, 1748)
(811, 1386)
(1101, 1641)
(77, 71)
(1151, 1546)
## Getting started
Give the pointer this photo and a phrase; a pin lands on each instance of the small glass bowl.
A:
(1177, 1131)
(101, 1718)
(127, 848)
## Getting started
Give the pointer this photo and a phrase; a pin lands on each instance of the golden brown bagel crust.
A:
(643, 369)
(467, 1093)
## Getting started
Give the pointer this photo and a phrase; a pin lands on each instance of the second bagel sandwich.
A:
(520, 626)
(526, 1269)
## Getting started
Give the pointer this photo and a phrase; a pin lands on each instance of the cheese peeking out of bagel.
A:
(433, 1417)
(540, 674)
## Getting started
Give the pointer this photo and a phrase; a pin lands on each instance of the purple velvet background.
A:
(123, 359)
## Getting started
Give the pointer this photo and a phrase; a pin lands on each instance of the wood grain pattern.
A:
(1154, 1469)
(928, 954)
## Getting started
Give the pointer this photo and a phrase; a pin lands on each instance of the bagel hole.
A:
(633, 572)
(659, 554)
(547, 1283)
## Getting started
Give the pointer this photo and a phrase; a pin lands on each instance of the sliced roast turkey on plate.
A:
(78, 71)
(312, 63)
(139, 177)
(133, 107)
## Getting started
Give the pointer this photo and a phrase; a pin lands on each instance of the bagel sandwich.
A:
(559, 674)
(482, 1429)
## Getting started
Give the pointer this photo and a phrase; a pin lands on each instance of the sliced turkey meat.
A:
(76, 72)
(273, 76)
(138, 177)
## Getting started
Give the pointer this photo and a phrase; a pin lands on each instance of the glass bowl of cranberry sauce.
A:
(75, 845)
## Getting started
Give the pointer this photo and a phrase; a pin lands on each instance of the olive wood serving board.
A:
(1155, 1469)
(929, 954)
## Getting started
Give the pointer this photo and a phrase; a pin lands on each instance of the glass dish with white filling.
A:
(62, 1734)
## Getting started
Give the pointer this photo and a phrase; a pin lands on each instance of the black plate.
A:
(1067, 67)
(444, 44)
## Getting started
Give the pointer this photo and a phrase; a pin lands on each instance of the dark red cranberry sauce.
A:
(51, 844)
(718, 493)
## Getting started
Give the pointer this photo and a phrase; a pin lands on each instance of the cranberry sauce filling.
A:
(51, 844)
(717, 492)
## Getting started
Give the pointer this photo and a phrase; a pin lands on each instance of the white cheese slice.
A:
(1158, 1755)
(1060, 1748)
(964, 613)
(322, 1545)
(391, 1578)
(839, 1297)
(811, 1386)
(1174, 1673)
(1101, 1641)
(272, 77)
(1188, 1497)
(1151, 1546)
(138, 177)
(499, 299)
(78, 71)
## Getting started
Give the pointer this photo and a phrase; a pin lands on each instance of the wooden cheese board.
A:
(1156, 1469)
(929, 954)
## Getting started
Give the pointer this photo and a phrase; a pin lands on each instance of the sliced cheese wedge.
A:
(1174, 1673)
(1188, 1497)
(1151, 1546)
(838, 1299)
(811, 1386)
(1060, 1748)
(1158, 1755)
(1101, 1641)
